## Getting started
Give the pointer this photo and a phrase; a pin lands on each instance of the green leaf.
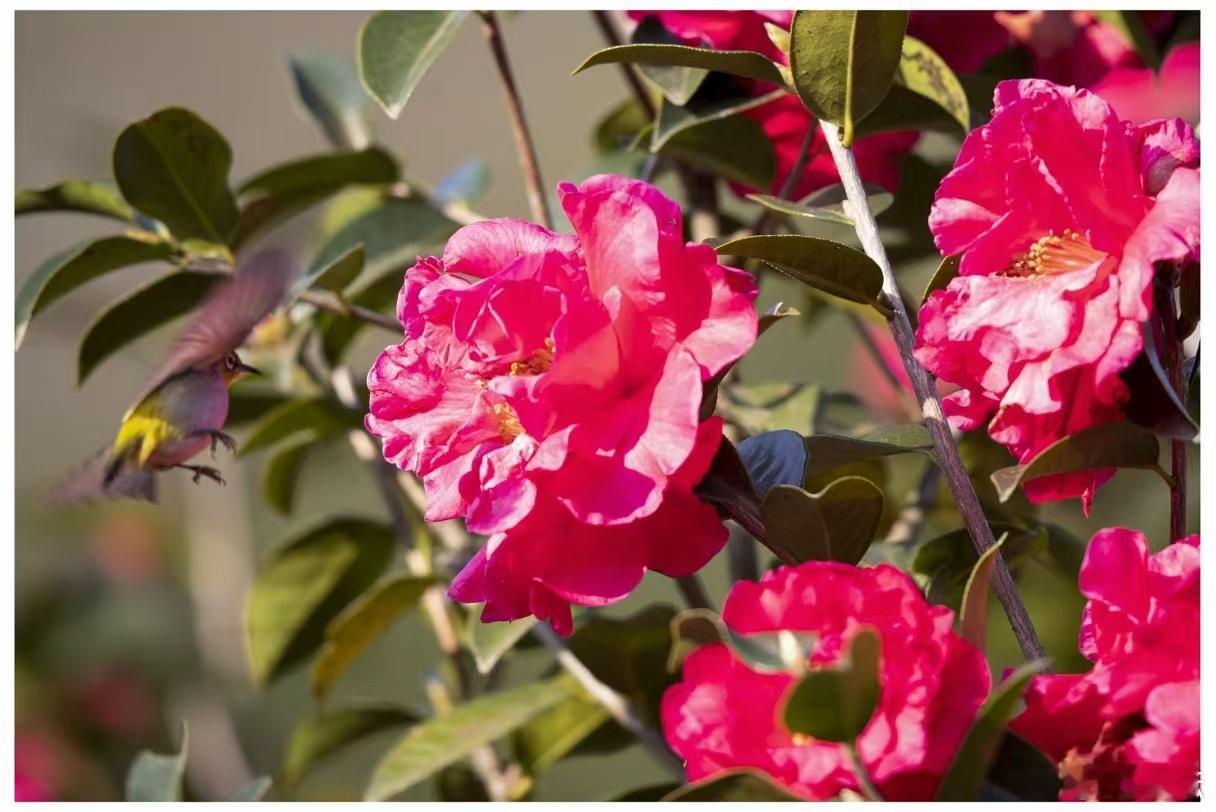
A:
(826, 265)
(677, 84)
(255, 790)
(319, 737)
(734, 148)
(249, 403)
(319, 416)
(948, 561)
(830, 204)
(488, 642)
(356, 626)
(1110, 445)
(85, 196)
(338, 274)
(648, 793)
(903, 109)
(835, 524)
(1023, 770)
(174, 166)
(551, 735)
(434, 744)
(1154, 403)
(288, 189)
(82, 263)
(282, 475)
(330, 91)
(774, 458)
(973, 617)
(769, 406)
(466, 183)
(1131, 25)
(843, 62)
(763, 652)
(925, 73)
(828, 451)
(717, 99)
(397, 48)
(748, 64)
(835, 704)
(975, 755)
(305, 584)
(743, 785)
(629, 655)
(140, 313)
(728, 487)
(156, 777)
(946, 271)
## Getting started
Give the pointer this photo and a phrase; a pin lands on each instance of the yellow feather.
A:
(143, 430)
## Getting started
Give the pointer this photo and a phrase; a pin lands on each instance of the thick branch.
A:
(523, 137)
(1171, 352)
(926, 393)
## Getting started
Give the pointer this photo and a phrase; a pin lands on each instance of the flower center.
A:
(1054, 254)
(538, 362)
(508, 422)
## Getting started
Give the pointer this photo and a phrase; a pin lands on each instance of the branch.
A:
(617, 706)
(613, 37)
(523, 137)
(1171, 346)
(926, 393)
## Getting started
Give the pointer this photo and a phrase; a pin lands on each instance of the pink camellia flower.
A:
(1060, 211)
(548, 390)
(1128, 729)
(725, 715)
(785, 120)
(1142, 94)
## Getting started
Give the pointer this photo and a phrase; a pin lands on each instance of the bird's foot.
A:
(204, 471)
(219, 438)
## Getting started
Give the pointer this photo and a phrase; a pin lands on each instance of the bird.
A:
(182, 409)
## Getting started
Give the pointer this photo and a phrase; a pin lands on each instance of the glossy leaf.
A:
(249, 403)
(316, 738)
(319, 416)
(828, 266)
(973, 616)
(743, 785)
(174, 166)
(829, 204)
(748, 64)
(835, 704)
(154, 777)
(836, 524)
(337, 275)
(65, 272)
(488, 642)
(1022, 770)
(828, 451)
(925, 73)
(843, 62)
(393, 233)
(773, 458)
(762, 652)
(765, 407)
(629, 654)
(719, 97)
(397, 48)
(551, 735)
(330, 91)
(1111, 445)
(1154, 403)
(948, 561)
(734, 148)
(82, 196)
(903, 109)
(646, 794)
(140, 313)
(946, 271)
(282, 475)
(677, 84)
(728, 487)
(434, 744)
(305, 584)
(356, 626)
(975, 755)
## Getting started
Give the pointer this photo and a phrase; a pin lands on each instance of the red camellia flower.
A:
(1060, 211)
(785, 120)
(725, 715)
(548, 389)
(1128, 729)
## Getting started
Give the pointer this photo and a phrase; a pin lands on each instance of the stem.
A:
(911, 519)
(864, 781)
(613, 37)
(926, 393)
(741, 558)
(616, 704)
(693, 592)
(1171, 351)
(343, 308)
(523, 138)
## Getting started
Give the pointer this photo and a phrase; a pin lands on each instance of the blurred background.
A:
(129, 617)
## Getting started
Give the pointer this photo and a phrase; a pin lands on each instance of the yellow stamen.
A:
(1054, 254)
(801, 739)
(509, 426)
(538, 362)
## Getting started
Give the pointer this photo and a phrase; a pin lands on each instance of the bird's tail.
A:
(107, 475)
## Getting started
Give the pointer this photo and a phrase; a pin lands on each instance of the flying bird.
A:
(182, 409)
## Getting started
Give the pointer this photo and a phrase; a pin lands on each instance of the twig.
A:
(618, 707)
(1171, 346)
(613, 38)
(926, 392)
(523, 137)
(693, 592)
(911, 518)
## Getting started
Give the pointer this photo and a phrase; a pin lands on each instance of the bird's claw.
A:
(205, 471)
(220, 438)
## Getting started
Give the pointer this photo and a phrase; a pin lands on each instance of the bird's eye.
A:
(230, 362)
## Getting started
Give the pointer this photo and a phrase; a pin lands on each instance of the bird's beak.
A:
(246, 369)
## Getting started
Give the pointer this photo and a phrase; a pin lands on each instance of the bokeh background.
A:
(129, 617)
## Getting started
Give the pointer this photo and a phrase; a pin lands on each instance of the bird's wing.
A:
(100, 479)
(227, 315)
